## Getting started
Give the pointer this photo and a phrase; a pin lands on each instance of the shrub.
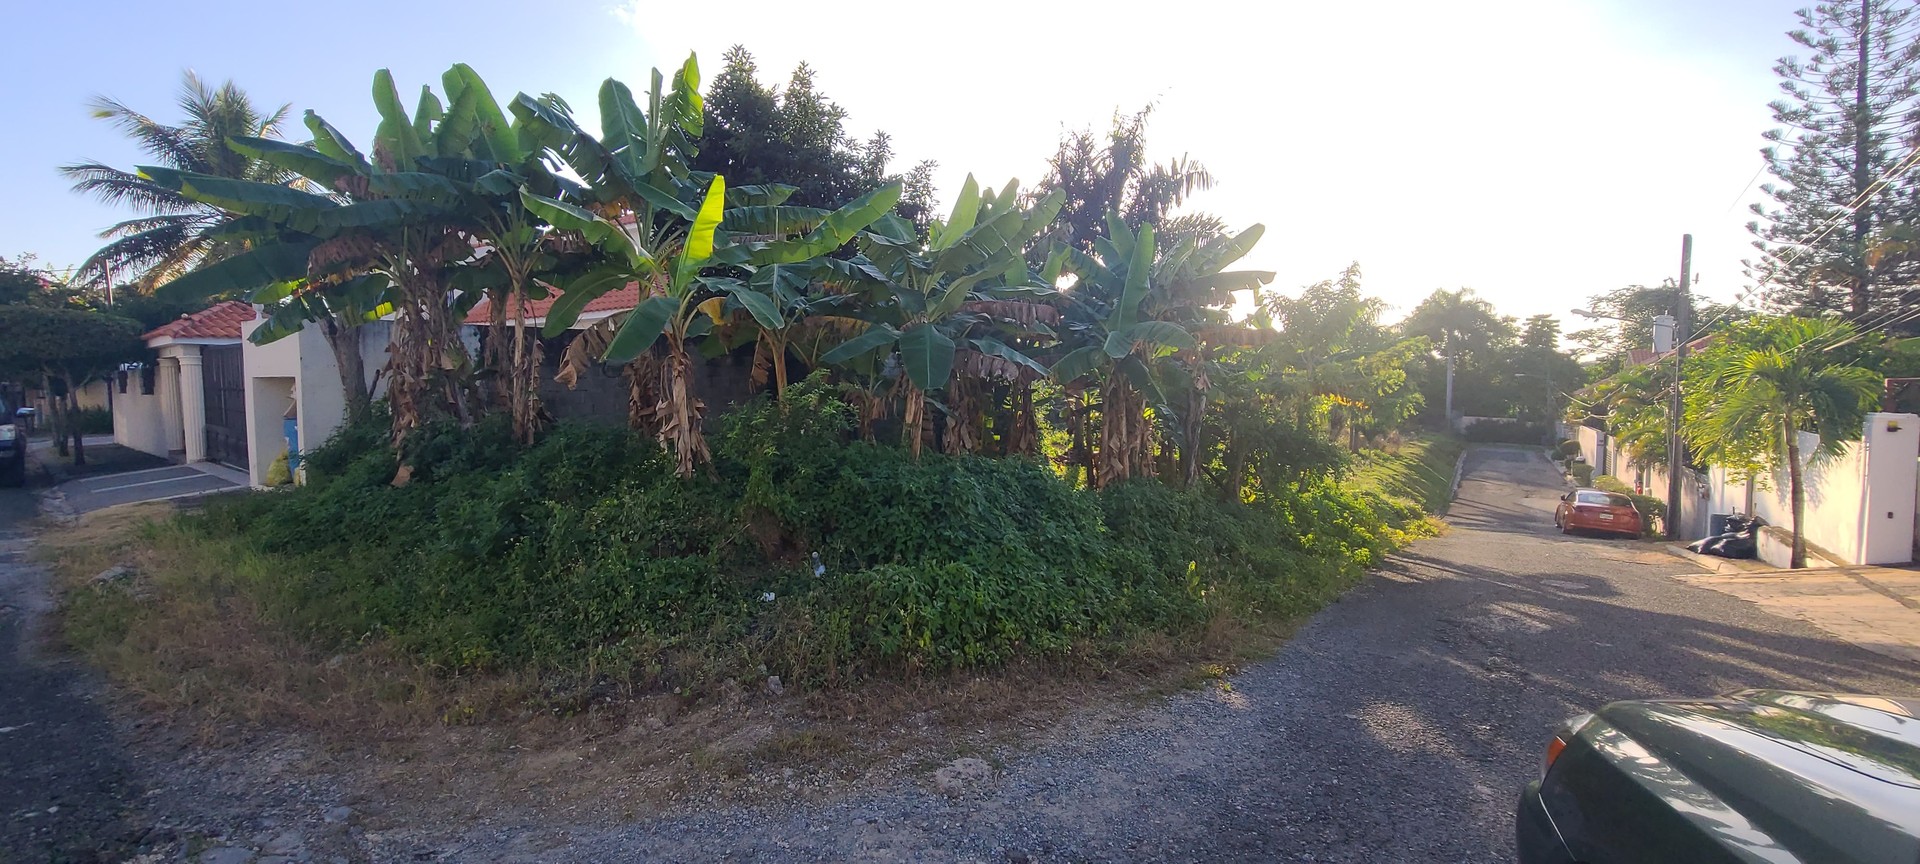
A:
(1582, 474)
(805, 553)
(92, 421)
(1569, 448)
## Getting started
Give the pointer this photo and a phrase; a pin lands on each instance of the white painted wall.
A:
(139, 422)
(1593, 447)
(1861, 504)
(1892, 442)
(302, 366)
(92, 395)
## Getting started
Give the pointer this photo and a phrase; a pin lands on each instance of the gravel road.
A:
(1399, 725)
(65, 784)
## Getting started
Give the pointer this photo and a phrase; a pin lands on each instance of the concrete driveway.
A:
(117, 475)
(87, 494)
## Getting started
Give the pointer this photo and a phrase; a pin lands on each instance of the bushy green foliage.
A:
(1418, 475)
(1582, 474)
(803, 552)
(93, 421)
(1569, 448)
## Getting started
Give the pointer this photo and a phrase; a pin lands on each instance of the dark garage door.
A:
(226, 386)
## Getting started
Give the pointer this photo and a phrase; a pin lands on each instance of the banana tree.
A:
(392, 216)
(638, 209)
(946, 303)
(680, 303)
(1136, 327)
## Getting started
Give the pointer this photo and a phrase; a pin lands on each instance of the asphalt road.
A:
(65, 785)
(1400, 725)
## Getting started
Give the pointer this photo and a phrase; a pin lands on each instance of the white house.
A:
(294, 396)
(191, 405)
(217, 397)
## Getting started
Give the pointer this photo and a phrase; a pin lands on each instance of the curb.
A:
(1713, 563)
(1459, 466)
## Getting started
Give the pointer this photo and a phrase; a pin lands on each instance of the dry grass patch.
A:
(186, 637)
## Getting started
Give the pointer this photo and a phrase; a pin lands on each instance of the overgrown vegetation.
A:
(1418, 473)
(583, 561)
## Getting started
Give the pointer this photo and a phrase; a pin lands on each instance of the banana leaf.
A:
(331, 143)
(875, 337)
(927, 355)
(641, 329)
(833, 231)
(578, 293)
(304, 161)
(243, 273)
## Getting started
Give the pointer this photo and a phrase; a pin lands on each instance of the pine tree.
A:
(1850, 116)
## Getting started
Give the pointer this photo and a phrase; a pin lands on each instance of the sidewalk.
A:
(1876, 608)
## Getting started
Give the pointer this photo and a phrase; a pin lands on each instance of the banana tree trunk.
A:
(680, 410)
(1024, 438)
(779, 348)
(494, 353)
(411, 363)
(1194, 433)
(963, 417)
(1126, 445)
(345, 342)
(524, 376)
(913, 416)
(641, 378)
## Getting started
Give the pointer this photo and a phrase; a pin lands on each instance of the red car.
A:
(1594, 510)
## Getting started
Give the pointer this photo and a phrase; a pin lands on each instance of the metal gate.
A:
(226, 396)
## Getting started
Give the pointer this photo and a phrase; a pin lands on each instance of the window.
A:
(146, 379)
(120, 378)
(1604, 499)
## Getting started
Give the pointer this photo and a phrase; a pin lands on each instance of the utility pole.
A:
(1447, 346)
(1683, 329)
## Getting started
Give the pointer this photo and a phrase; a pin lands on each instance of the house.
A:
(216, 397)
(294, 397)
(190, 406)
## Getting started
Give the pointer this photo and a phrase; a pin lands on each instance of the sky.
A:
(1537, 151)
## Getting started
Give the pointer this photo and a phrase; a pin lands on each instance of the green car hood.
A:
(1785, 776)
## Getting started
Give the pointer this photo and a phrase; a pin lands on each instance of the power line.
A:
(1853, 206)
(1743, 190)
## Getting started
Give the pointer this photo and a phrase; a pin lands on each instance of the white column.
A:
(167, 386)
(193, 404)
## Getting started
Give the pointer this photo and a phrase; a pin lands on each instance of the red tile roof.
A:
(617, 300)
(220, 321)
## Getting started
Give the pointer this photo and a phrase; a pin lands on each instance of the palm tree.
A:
(1770, 382)
(172, 233)
(1460, 323)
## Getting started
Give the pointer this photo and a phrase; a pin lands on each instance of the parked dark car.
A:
(1595, 510)
(13, 447)
(1756, 776)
